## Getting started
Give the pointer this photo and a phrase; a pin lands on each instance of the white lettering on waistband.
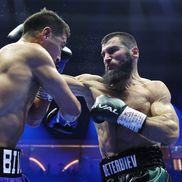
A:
(11, 161)
(119, 165)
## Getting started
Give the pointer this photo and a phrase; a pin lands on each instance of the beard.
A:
(118, 78)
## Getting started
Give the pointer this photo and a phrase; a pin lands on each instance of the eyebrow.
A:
(108, 48)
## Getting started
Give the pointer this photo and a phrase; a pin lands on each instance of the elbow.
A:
(73, 112)
(173, 135)
(173, 140)
(170, 141)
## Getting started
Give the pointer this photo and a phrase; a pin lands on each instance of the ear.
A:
(46, 32)
(134, 52)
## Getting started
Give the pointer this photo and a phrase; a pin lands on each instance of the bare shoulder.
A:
(158, 90)
(26, 51)
(38, 53)
(158, 86)
(25, 54)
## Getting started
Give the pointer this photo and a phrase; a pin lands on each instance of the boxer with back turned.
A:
(27, 68)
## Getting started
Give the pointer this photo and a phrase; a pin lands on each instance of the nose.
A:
(107, 58)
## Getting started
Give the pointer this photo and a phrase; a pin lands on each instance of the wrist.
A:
(132, 119)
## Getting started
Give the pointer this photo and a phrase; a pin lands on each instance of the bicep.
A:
(162, 123)
(161, 105)
(159, 108)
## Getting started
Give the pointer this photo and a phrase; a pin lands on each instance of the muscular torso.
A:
(114, 138)
(17, 91)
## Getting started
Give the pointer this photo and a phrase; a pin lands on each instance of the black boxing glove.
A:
(15, 34)
(115, 111)
(66, 54)
(55, 121)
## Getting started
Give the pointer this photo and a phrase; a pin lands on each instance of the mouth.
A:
(109, 67)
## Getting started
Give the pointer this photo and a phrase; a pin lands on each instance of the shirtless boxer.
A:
(133, 115)
(26, 66)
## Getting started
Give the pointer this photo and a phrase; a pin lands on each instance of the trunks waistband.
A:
(131, 160)
(10, 162)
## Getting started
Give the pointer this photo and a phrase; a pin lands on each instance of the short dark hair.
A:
(43, 18)
(127, 39)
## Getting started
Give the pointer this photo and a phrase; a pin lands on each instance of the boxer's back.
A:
(17, 90)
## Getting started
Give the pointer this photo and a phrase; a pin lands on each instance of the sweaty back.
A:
(15, 98)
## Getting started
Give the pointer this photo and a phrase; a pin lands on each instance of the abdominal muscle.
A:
(114, 139)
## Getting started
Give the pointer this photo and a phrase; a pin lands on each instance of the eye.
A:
(112, 50)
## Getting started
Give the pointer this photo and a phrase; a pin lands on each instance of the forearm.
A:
(160, 125)
(75, 86)
(163, 129)
(37, 112)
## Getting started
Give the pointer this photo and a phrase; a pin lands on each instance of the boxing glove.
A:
(55, 121)
(66, 54)
(114, 110)
(15, 34)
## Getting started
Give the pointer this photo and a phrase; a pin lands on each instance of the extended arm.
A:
(80, 86)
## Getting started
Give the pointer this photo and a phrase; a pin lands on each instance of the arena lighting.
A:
(70, 164)
(58, 146)
(38, 163)
(177, 164)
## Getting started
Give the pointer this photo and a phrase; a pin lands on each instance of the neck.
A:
(27, 38)
(135, 75)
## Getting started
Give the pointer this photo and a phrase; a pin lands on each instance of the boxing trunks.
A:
(143, 164)
(10, 166)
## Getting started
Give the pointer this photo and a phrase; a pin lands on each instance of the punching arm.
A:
(115, 111)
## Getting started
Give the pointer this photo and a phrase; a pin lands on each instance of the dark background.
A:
(156, 24)
(157, 27)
